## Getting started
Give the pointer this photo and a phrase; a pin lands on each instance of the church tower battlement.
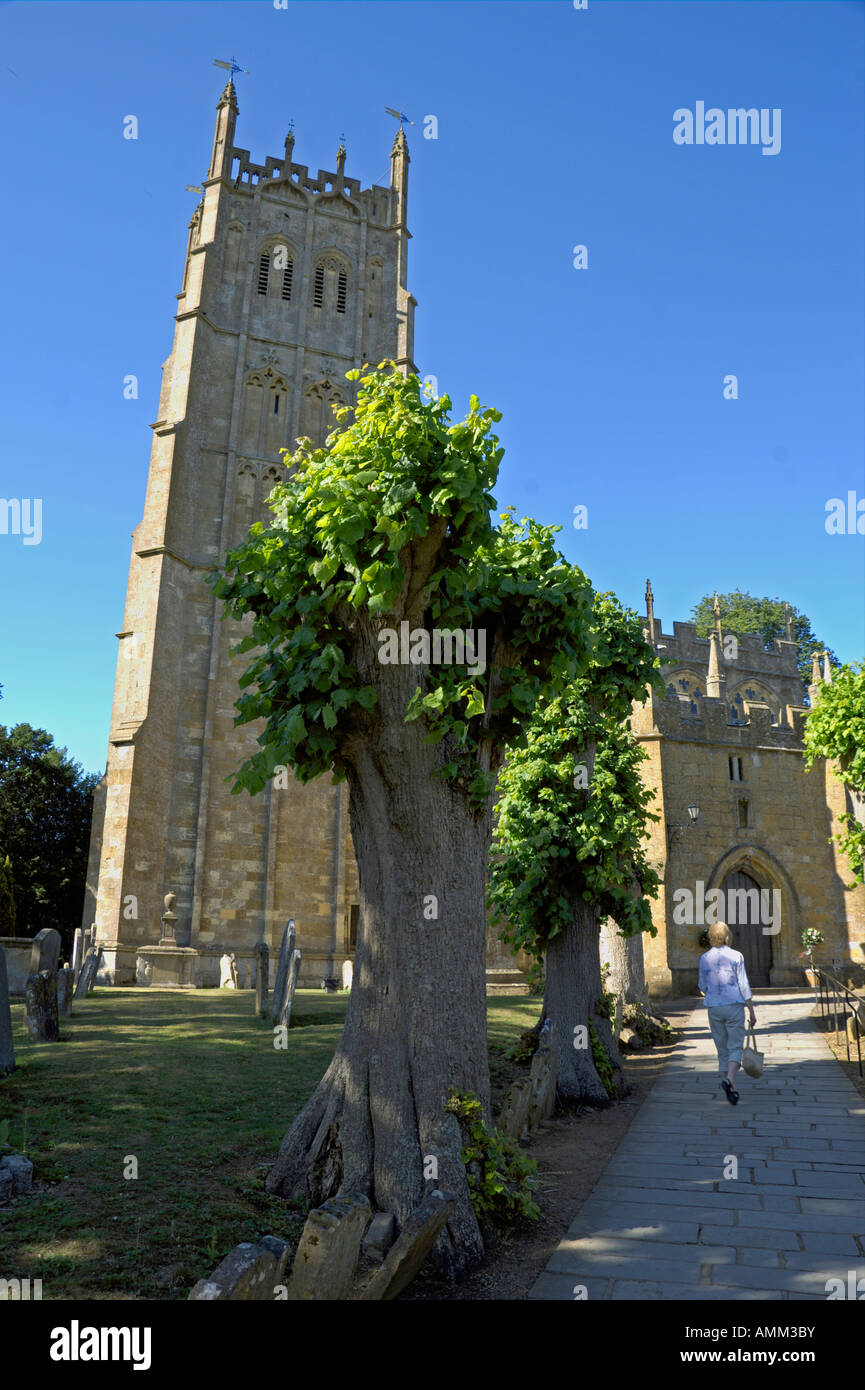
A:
(289, 281)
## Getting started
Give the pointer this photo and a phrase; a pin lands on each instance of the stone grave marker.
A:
(45, 951)
(7, 1051)
(326, 1259)
(291, 985)
(414, 1243)
(347, 974)
(65, 987)
(40, 1000)
(286, 953)
(77, 953)
(227, 971)
(262, 969)
(87, 977)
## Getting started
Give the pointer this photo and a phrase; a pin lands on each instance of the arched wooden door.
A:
(743, 909)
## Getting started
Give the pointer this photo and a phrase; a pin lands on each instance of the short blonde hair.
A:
(719, 934)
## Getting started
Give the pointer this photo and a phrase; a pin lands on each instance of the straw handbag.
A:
(752, 1060)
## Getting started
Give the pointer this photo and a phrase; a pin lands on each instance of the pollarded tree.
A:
(378, 542)
(568, 841)
(835, 728)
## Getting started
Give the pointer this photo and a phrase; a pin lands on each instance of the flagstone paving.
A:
(664, 1222)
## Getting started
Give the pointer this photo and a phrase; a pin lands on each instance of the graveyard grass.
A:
(189, 1084)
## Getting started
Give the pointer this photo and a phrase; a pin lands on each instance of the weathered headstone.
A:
(262, 969)
(45, 951)
(413, 1245)
(98, 963)
(380, 1236)
(20, 1170)
(347, 974)
(77, 953)
(40, 1001)
(248, 972)
(87, 978)
(65, 987)
(7, 1051)
(227, 972)
(326, 1258)
(291, 985)
(286, 953)
(247, 1274)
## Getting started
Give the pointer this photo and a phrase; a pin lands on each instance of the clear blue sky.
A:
(555, 128)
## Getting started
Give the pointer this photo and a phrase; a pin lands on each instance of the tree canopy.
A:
(45, 815)
(568, 830)
(392, 519)
(742, 612)
(835, 728)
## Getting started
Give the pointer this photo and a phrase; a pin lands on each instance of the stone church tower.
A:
(738, 812)
(289, 281)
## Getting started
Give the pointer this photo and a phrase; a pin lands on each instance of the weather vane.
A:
(231, 67)
(399, 116)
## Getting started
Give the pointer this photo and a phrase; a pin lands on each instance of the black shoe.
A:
(730, 1092)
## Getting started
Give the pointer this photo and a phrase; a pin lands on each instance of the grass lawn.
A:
(190, 1084)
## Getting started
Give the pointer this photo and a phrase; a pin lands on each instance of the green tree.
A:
(376, 540)
(742, 612)
(568, 841)
(45, 815)
(835, 728)
(7, 898)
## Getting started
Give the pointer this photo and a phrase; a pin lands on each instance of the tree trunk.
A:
(571, 998)
(416, 1020)
(625, 958)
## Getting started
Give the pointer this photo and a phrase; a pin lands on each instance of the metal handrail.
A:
(836, 989)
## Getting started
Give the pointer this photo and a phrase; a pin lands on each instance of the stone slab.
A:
(326, 1260)
(411, 1248)
(247, 1274)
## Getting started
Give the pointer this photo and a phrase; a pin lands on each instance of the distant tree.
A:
(742, 613)
(569, 847)
(45, 814)
(835, 728)
(7, 898)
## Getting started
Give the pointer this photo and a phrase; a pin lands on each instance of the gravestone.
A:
(414, 1243)
(45, 951)
(262, 969)
(20, 1170)
(65, 986)
(291, 985)
(77, 953)
(347, 974)
(286, 954)
(227, 972)
(40, 1001)
(326, 1259)
(7, 1051)
(248, 969)
(87, 978)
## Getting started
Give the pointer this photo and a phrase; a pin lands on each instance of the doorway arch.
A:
(764, 872)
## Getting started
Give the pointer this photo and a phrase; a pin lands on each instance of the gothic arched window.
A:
(275, 274)
(330, 285)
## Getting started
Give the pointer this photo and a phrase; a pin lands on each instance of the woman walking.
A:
(724, 982)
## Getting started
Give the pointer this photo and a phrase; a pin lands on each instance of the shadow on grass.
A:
(185, 1088)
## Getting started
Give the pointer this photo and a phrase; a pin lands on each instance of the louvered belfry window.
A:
(263, 272)
(318, 288)
(286, 280)
(341, 292)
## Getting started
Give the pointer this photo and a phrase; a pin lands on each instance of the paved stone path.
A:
(664, 1223)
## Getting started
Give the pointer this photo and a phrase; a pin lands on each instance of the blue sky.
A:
(555, 128)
